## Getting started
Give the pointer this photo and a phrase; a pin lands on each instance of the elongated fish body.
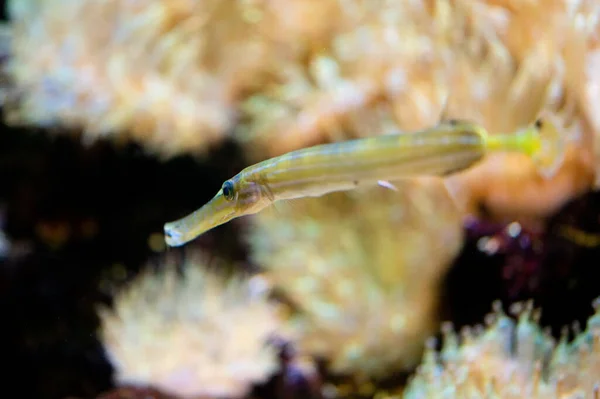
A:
(322, 169)
(315, 171)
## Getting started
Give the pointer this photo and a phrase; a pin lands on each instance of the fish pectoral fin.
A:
(286, 208)
(275, 208)
(387, 184)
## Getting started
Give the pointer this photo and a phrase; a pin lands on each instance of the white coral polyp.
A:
(192, 335)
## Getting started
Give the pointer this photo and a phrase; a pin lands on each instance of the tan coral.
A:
(510, 186)
(391, 67)
(548, 47)
(397, 63)
(193, 335)
(280, 75)
(511, 360)
(364, 269)
(162, 72)
(384, 57)
(558, 32)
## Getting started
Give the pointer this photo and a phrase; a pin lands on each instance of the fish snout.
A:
(173, 238)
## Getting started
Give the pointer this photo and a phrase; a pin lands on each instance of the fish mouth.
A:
(173, 238)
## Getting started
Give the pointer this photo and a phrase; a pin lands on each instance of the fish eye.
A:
(539, 124)
(228, 190)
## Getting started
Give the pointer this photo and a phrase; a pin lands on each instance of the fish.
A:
(447, 148)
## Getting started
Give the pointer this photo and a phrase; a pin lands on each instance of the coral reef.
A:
(182, 75)
(511, 360)
(194, 335)
(508, 186)
(363, 268)
(529, 67)
(165, 73)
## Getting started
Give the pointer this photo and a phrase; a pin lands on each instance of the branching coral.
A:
(193, 335)
(512, 360)
(364, 269)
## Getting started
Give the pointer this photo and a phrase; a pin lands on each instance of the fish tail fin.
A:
(543, 141)
(549, 155)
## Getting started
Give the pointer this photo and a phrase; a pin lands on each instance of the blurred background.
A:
(120, 116)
